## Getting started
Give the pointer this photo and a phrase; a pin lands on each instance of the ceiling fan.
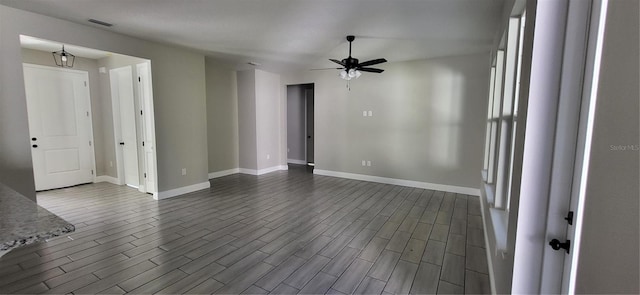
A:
(352, 67)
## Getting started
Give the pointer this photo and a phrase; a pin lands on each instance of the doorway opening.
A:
(300, 125)
(91, 123)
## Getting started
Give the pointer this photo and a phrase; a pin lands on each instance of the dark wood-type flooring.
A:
(284, 232)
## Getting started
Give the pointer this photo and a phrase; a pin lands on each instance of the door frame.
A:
(146, 105)
(92, 152)
(306, 124)
(567, 131)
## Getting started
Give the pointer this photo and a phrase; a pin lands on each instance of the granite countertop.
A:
(23, 221)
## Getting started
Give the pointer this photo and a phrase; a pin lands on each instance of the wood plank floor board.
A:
(280, 273)
(370, 285)
(284, 232)
(385, 264)
(351, 278)
(320, 284)
(306, 272)
(339, 264)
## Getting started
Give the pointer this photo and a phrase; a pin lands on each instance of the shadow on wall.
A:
(427, 117)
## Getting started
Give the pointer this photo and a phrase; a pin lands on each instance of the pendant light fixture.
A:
(63, 58)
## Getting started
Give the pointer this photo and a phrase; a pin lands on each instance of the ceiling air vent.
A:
(97, 22)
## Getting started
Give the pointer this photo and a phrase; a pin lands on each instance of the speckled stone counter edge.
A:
(24, 222)
(37, 237)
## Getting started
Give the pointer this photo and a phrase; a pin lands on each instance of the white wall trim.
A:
(402, 182)
(248, 171)
(181, 190)
(294, 161)
(222, 173)
(487, 244)
(107, 178)
(263, 171)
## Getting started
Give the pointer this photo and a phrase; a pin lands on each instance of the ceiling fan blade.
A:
(338, 62)
(322, 69)
(372, 62)
(372, 70)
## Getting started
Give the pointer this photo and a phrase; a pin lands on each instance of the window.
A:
(502, 115)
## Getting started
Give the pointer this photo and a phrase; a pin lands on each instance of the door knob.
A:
(122, 143)
(557, 245)
(33, 139)
(35, 146)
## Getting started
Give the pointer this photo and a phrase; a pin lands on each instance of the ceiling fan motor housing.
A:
(350, 63)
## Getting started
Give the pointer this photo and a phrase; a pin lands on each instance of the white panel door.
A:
(123, 98)
(59, 126)
(148, 129)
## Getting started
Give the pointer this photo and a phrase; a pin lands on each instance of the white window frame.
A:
(502, 119)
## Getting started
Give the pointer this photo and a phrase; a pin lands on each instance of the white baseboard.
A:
(181, 190)
(107, 178)
(248, 171)
(223, 173)
(402, 182)
(294, 161)
(263, 171)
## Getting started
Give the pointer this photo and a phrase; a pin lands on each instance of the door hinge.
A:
(145, 175)
(87, 113)
(140, 112)
(89, 142)
(139, 80)
(569, 218)
(91, 172)
(85, 83)
(143, 143)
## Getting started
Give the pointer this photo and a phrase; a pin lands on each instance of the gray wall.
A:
(259, 119)
(247, 141)
(268, 119)
(428, 120)
(608, 261)
(296, 123)
(222, 116)
(178, 89)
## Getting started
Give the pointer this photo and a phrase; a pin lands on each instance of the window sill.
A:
(499, 219)
(496, 221)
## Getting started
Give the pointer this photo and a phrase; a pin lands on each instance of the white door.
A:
(125, 124)
(148, 129)
(59, 113)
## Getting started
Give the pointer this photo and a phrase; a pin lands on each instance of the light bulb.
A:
(343, 75)
(358, 74)
(352, 73)
(63, 58)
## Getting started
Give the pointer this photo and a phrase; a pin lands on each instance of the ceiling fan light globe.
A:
(358, 74)
(343, 74)
(352, 73)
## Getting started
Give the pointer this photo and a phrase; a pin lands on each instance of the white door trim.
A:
(149, 158)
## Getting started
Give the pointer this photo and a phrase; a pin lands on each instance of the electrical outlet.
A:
(364, 163)
(184, 171)
(369, 163)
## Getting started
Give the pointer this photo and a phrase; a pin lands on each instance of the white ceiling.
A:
(51, 46)
(294, 34)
